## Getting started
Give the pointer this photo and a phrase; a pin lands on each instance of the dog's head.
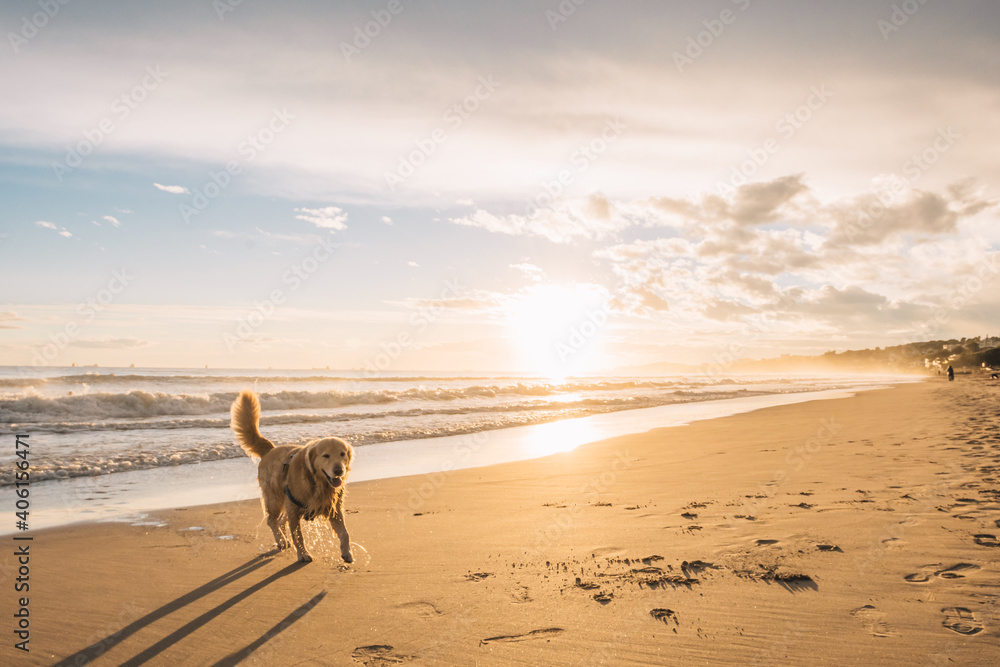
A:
(330, 460)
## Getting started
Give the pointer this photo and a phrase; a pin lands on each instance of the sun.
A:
(557, 330)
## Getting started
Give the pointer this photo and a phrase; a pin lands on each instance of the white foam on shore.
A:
(117, 496)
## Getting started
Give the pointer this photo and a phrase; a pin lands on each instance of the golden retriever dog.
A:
(296, 482)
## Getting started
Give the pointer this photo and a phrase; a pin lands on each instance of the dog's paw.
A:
(348, 557)
(305, 558)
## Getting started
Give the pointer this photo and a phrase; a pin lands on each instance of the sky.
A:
(546, 187)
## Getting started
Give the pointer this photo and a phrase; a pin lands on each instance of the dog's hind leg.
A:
(294, 519)
(339, 527)
(273, 512)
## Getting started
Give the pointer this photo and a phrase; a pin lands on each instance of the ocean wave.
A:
(300, 418)
(138, 404)
(92, 465)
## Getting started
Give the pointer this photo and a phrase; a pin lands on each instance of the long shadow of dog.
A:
(102, 646)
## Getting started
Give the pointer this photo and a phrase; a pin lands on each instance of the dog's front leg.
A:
(339, 527)
(294, 525)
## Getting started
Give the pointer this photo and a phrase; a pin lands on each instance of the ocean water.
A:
(101, 421)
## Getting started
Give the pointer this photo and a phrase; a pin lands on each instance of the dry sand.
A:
(854, 531)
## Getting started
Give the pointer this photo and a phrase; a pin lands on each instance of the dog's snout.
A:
(339, 470)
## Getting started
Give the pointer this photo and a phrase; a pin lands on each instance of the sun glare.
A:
(557, 437)
(556, 330)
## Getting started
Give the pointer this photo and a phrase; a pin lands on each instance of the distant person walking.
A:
(951, 374)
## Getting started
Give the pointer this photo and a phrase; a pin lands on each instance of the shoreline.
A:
(129, 496)
(827, 532)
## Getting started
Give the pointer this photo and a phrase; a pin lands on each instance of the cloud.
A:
(593, 218)
(329, 217)
(781, 199)
(303, 239)
(386, 219)
(893, 208)
(108, 343)
(757, 203)
(529, 271)
(62, 231)
(802, 267)
(725, 311)
(472, 300)
(689, 130)
(173, 189)
(414, 264)
(114, 221)
(786, 199)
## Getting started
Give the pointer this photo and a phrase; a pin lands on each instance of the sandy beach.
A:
(854, 531)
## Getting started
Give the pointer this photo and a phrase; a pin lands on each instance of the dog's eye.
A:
(342, 454)
(326, 456)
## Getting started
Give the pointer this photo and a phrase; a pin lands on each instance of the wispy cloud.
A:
(173, 189)
(62, 231)
(476, 301)
(113, 220)
(592, 218)
(328, 217)
(529, 271)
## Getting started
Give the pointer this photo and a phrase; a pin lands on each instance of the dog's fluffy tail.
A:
(245, 415)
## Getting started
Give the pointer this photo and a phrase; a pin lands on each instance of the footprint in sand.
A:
(892, 543)
(829, 547)
(604, 598)
(534, 634)
(928, 572)
(520, 595)
(873, 621)
(665, 616)
(766, 543)
(422, 609)
(956, 571)
(925, 575)
(478, 576)
(378, 655)
(961, 620)
(986, 540)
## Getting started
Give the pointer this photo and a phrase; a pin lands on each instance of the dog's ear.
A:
(350, 455)
(308, 455)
